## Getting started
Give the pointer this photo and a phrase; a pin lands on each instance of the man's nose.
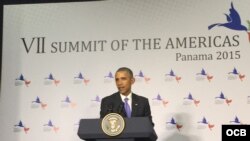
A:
(118, 82)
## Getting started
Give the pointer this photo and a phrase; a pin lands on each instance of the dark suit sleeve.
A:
(104, 108)
(147, 111)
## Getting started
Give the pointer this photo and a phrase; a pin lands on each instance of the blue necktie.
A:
(127, 108)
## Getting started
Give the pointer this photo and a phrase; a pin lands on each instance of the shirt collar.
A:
(129, 96)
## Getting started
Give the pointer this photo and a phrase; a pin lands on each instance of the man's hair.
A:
(128, 70)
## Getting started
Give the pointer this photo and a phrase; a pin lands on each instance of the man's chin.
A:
(123, 93)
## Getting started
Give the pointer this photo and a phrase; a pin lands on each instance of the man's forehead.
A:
(122, 74)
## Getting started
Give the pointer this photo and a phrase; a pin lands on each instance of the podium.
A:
(136, 129)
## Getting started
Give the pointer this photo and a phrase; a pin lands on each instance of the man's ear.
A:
(133, 80)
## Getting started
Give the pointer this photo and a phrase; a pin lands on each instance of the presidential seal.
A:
(113, 124)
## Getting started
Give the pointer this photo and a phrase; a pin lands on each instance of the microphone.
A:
(120, 108)
(110, 108)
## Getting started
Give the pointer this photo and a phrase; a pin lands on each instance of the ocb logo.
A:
(236, 132)
(240, 132)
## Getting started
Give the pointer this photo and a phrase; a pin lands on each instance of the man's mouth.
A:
(121, 88)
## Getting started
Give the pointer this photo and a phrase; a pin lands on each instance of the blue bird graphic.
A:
(67, 100)
(203, 72)
(190, 97)
(140, 74)
(49, 124)
(37, 100)
(158, 97)
(172, 121)
(221, 96)
(171, 73)
(80, 76)
(236, 120)
(204, 121)
(233, 21)
(50, 77)
(20, 124)
(234, 72)
(110, 75)
(97, 99)
(21, 78)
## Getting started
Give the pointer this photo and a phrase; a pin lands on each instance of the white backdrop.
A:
(59, 60)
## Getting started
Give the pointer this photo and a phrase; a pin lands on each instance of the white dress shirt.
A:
(129, 99)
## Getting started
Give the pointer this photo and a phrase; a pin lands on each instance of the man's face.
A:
(124, 82)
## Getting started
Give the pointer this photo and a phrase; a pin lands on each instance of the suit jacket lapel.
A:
(118, 99)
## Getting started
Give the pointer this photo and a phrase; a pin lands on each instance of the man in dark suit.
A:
(117, 103)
